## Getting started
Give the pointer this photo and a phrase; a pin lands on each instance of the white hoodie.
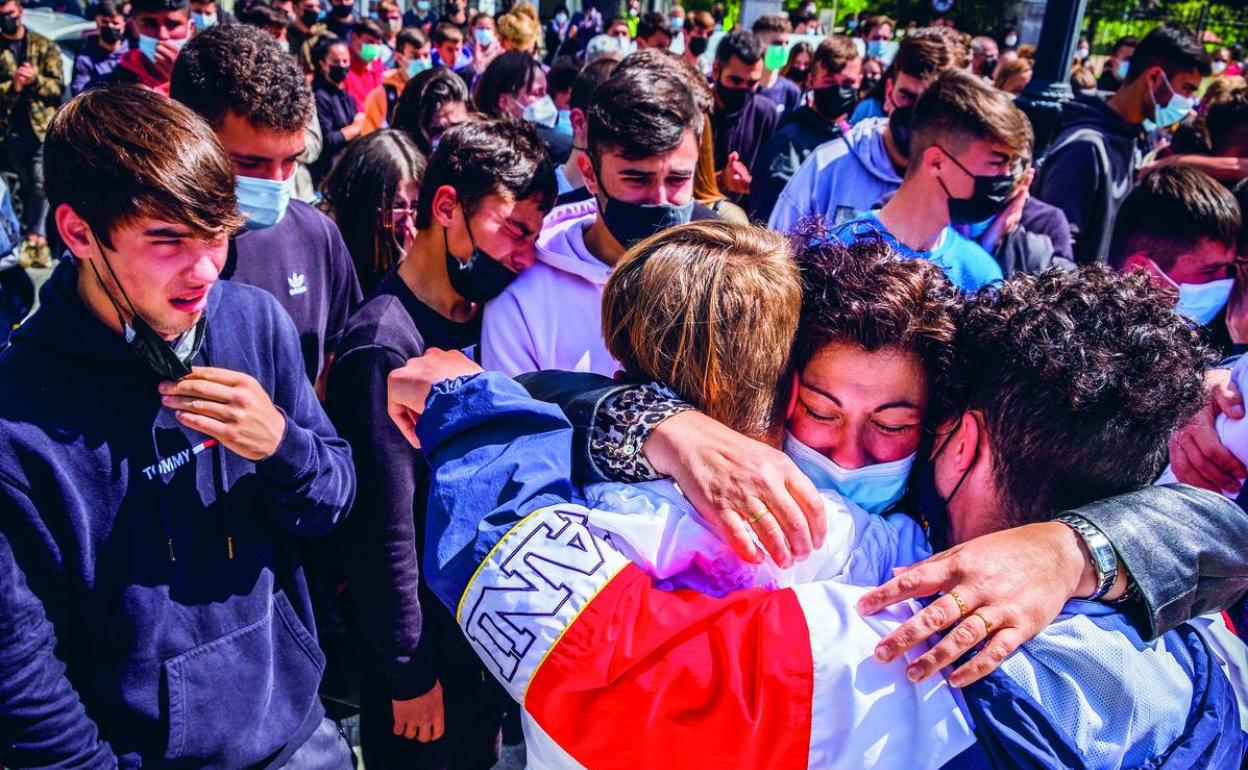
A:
(551, 316)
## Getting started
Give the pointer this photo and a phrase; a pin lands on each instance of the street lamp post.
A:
(1050, 80)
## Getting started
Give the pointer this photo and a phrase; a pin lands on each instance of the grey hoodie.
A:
(839, 180)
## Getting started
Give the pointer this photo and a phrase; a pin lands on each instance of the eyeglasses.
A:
(400, 215)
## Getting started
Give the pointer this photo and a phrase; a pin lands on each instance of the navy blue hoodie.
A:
(150, 582)
(1088, 172)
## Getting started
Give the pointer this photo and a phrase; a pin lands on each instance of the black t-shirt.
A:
(303, 262)
(382, 541)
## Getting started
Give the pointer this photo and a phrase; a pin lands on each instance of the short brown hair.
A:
(864, 294)
(702, 20)
(772, 22)
(959, 108)
(929, 51)
(710, 309)
(1012, 69)
(834, 53)
(116, 154)
(445, 31)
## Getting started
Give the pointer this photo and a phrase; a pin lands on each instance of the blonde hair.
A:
(710, 309)
(517, 31)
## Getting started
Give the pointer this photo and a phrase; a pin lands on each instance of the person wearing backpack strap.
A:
(1092, 164)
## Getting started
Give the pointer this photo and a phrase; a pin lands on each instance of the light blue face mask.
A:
(1202, 302)
(563, 124)
(884, 50)
(263, 201)
(203, 21)
(678, 23)
(1120, 71)
(1175, 110)
(147, 46)
(484, 36)
(417, 66)
(874, 488)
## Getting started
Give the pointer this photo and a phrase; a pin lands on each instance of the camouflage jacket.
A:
(43, 95)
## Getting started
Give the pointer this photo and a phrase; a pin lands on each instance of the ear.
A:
(888, 96)
(1140, 260)
(967, 444)
(444, 202)
(586, 167)
(75, 232)
(579, 124)
(933, 159)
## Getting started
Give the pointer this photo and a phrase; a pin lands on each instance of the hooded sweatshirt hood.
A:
(841, 179)
(561, 244)
(551, 317)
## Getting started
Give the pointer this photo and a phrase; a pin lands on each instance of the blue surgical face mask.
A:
(874, 488)
(423, 6)
(203, 21)
(263, 201)
(417, 66)
(884, 50)
(678, 23)
(1202, 302)
(147, 45)
(563, 124)
(484, 36)
(1175, 110)
(1120, 71)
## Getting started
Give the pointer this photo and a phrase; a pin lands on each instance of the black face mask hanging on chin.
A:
(146, 343)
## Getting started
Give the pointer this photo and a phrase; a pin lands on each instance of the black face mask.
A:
(987, 199)
(798, 75)
(631, 223)
(733, 99)
(990, 66)
(110, 35)
(834, 101)
(481, 278)
(337, 74)
(8, 24)
(342, 11)
(899, 127)
(697, 45)
(148, 346)
(868, 84)
(309, 17)
(152, 349)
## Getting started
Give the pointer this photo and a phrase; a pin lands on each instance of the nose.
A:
(850, 451)
(206, 264)
(525, 257)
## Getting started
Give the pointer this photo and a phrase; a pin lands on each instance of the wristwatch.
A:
(1104, 558)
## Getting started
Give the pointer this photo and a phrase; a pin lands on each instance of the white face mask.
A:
(874, 488)
(543, 112)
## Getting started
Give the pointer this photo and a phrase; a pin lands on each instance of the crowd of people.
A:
(642, 402)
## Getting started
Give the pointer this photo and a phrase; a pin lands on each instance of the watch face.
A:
(942, 6)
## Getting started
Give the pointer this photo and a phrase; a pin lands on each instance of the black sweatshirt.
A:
(381, 547)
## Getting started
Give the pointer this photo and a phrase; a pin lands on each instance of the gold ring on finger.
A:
(962, 608)
(987, 623)
(756, 517)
